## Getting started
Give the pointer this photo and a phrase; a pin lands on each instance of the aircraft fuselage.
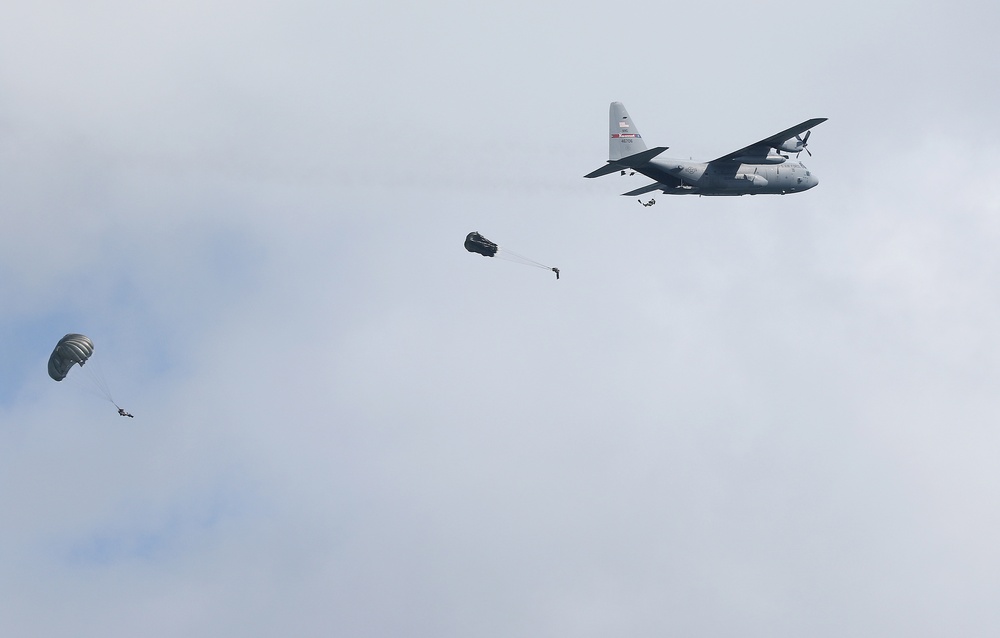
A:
(729, 178)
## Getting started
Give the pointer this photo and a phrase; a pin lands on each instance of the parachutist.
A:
(649, 203)
(122, 412)
(476, 243)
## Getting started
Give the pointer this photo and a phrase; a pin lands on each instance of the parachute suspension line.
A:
(86, 385)
(509, 255)
(92, 369)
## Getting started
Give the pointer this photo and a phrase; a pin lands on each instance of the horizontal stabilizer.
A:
(634, 161)
(655, 186)
(608, 168)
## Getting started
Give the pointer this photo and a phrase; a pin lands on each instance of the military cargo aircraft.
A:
(763, 167)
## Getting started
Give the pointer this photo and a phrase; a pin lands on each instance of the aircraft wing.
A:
(763, 147)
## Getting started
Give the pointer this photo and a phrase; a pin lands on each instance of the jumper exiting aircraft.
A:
(759, 168)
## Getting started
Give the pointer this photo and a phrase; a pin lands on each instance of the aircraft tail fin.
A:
(625, 138)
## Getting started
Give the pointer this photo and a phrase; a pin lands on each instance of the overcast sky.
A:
(758, 417)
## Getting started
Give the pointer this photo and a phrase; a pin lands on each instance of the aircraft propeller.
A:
(803, 143)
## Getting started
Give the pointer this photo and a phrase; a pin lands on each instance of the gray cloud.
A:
(754, 416)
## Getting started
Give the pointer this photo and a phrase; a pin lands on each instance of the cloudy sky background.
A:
(769, 416)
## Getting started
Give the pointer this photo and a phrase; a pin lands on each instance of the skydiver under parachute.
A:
(77, 349)
(476, 243)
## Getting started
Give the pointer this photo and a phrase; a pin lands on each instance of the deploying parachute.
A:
(77, 349)
(72, 348)
(476, 243)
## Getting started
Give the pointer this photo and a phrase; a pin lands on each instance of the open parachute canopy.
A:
(73, 348)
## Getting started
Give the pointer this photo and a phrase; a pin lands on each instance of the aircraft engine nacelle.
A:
(793, 145)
